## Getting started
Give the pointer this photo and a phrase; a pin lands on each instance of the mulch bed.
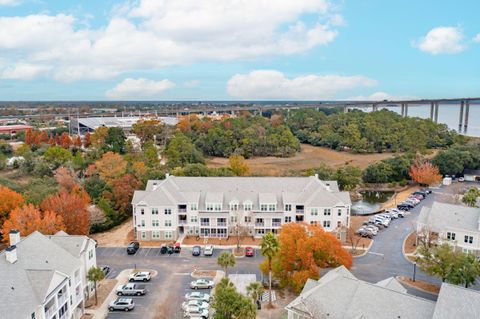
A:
(420, 284)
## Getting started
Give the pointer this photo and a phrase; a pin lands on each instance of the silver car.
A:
(193, 312)
(201, 284)
(125, 304)
(195, 303)
(197, 295)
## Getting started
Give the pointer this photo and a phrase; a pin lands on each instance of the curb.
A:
(403, 249)
(416, 288)
(365, 250)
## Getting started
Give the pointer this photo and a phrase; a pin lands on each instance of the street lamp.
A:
(414, 271)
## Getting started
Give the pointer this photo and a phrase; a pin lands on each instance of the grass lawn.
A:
(309, 157)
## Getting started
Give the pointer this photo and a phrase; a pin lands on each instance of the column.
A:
(467, 110)
(402, 110)
(436, 113)
(432, 107)
(406, 109)
(460, 118)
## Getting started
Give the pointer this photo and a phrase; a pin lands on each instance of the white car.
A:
(196, 295)
(195, 303)
(140, 276)
(192, 312)
(201, 284)
(208, 250)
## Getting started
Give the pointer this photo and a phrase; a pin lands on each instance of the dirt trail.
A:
(115, 237)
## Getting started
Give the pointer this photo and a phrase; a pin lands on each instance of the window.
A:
(276, 222)
(247, 206)
(33, 315)
(288, 219)
(168, 211)
(168, 235)
(142, 211)
(288, 207)
(221, 222)
(193, 206)
(155, 223)
(210, 207)
(155, 234)
(263, 207)
(314, 211)
(468, 239)
(233, 206)
(90, 254)
(144, 235)
(339, 212)
(193, 219)
(142, 222)
(248, 219)
(233, 219)
(326, 224)
(205, 221)
(450, 236)
(327, 212)
(313, 222)
(155, 211)
(272, 207)
(218, 207)
(168, 223)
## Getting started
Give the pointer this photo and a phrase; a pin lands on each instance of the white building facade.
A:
(44, 277)
(247, 206)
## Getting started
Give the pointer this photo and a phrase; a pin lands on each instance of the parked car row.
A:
(196, 304)
(414, 199)
(374, 224)
(130, 289)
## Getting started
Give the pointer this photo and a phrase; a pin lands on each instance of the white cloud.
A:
(381, 96)
(24, 71)
(139, 89)
(271, 84)
(477, 38)
(151, 34)
(442, 40)
(9, 2)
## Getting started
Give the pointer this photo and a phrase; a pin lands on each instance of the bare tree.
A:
(425, 237)
(353, 239)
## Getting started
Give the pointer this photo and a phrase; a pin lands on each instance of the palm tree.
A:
(226, 259)
(95, 274)
(269, 248)
(255, 290)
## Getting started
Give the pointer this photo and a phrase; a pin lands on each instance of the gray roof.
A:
(74, 244)
(125, 122)
(441, 216)
(338, 294)
(393, 284)
(457, 302)
(309, 191)
(40, 267)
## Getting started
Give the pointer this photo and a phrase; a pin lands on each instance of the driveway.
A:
(166, 291)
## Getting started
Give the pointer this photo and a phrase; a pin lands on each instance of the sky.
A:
(239, 49)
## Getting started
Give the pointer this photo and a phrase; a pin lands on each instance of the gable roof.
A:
(441, 216)
(457, 302)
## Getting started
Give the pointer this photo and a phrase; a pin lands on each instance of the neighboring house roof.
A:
(457, 302)
(338, 294)
(280, 190)
(441, 216)
(393, 284)
(41, 265)
(74, 244)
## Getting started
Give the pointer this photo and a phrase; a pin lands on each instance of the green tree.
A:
(348, 177)
(181, 151)
(470, 197)
(147, 130)
(115, 140)
(226, 259)
(94, 275)
(3, 161)
(269, 248)
(57, 156)
(229, 304)
(255, 290)
(438, 261)
(95, 187)
(465, 270)
(378, 173)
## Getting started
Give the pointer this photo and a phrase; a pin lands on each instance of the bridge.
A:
(176, 108)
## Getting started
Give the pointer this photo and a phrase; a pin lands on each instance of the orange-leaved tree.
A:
(9, 200)
(424, 172)
(238, 165)
(65, 178)
(73, 207)
(29, 218)
(111, 166)
(122, 191)
(304, 249)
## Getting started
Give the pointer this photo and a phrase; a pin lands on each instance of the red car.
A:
(249, 252)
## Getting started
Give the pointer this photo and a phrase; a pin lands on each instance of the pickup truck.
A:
(131, 290)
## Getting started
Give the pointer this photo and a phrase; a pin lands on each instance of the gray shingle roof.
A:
(442, 215)
(291, 190)
(457, 302)
(41, 263)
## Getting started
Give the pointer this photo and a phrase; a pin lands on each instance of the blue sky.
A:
(238, 50)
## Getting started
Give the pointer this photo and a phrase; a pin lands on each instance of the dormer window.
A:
(234, 205)
(247, 206)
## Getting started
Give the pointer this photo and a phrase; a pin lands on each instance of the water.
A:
(447, 114)
(371, 202)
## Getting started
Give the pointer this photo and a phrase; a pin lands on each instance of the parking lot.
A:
(166, 291)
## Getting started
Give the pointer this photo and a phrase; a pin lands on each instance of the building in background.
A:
(14, 129)
(44, 277)
(89, 124)
(246, 206)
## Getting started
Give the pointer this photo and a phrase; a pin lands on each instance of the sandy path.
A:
(115, 237)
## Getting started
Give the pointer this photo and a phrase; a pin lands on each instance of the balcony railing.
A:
(61, 300)
(182, 222)
(300, 211)
(182, 210)
(204, 224)
(276, 224)
(259, 224)
(221, 224)
(49, 312)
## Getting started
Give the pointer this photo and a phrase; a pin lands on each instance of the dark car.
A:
(403, 207)
(170, 249)
(106, 270)
(133, 247)
(196, 251)
(249, 252)
(163, 249)
(177, 248)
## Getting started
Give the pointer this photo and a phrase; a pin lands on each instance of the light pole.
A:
(414, 271)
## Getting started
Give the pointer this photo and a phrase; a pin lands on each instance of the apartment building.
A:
(44, 277)
(457, 225)
(224, 206)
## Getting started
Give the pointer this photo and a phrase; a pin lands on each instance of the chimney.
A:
(14, 237)
(11, 254)
(316, 176)
(167, 175)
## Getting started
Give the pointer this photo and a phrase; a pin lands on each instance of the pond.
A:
(371, 202)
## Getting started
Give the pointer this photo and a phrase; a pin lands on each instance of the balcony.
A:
(299, 211)
(182, 210)
(61, 300)
(182, 222)
(221, 224)
(259, 224)
(276, 224)
(49, 312)
(204, 224)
